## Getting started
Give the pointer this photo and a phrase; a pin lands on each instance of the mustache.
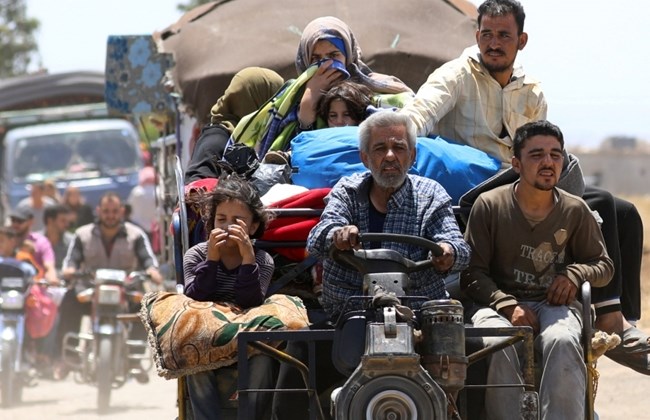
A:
(496, 50)
(391, 165)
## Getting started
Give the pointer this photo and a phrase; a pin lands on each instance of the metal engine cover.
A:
(390, 382)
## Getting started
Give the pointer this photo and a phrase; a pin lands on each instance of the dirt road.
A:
(69, 400)
(622, 393)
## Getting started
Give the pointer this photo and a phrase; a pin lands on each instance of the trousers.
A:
(206, 391)
(563, 384)
(622, 230)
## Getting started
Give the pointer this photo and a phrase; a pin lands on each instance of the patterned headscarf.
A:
(249, 89)
(330, 28)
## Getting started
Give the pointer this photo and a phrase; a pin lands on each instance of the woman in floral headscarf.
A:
(326, 39)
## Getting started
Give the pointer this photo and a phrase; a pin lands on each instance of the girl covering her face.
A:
(331, 39)
(339, 35)
(227, 266)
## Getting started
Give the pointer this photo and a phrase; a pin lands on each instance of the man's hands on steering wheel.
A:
(443, 263)
(347, 238)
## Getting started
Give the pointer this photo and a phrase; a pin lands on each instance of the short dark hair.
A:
(52, 211)
(535, 128)
(501, 8)
(233, 187)
(110, 195)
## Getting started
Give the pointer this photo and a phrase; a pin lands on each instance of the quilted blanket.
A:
(188, 337)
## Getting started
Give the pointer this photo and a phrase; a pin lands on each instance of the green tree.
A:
(191, 5)
(17, 42)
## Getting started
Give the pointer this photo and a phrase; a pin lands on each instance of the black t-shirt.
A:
(375, 223)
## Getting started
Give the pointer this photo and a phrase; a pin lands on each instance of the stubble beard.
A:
(112, 225)
(545, 186)
(497, 68)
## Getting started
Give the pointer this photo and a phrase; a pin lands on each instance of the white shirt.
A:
(463, 103)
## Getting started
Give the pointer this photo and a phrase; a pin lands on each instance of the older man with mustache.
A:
(387, 199)
(384, 199)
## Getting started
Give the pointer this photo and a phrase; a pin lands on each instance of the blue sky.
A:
(591, 55)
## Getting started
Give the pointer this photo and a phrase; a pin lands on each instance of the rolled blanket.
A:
(188, 337)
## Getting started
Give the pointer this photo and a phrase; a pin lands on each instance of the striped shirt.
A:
(421, 207)
(206, 280)
(462, 102)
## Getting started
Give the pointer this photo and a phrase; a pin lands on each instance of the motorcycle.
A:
(15, 279)
(107, 355)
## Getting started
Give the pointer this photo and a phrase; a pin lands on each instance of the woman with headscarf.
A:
(324, 40)
(249, 89)
(328, 53)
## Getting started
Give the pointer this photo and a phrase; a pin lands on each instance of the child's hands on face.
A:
(239, 234)
(216, 240)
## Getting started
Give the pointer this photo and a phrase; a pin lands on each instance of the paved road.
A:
(69, 400)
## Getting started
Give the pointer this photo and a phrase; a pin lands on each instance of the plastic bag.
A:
(269, 174)
(242, 158)
(40, 312)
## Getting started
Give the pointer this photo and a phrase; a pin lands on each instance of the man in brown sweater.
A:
(533, 245)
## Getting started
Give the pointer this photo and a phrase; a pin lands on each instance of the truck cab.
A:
(95, 155)
(57, 127)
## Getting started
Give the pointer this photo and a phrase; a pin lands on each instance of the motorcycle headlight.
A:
(109, 295)
(12, 299)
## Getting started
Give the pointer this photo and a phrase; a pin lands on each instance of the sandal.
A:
(635, 341)
(633, 351)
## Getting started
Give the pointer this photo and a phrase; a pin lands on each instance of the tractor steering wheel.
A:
(377, 260)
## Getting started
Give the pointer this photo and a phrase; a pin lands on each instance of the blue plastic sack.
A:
(321, 157)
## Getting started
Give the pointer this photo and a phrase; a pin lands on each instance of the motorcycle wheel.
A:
(104, 373)
(10, 392)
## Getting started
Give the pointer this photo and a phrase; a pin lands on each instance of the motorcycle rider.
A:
(56, 221)
(109, 242)
(22, 222)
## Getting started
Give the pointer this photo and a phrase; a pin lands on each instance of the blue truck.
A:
(67, 142)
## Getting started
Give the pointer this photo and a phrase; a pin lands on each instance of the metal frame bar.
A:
(255, 339)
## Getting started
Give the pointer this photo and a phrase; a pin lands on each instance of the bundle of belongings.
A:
(188, 336)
